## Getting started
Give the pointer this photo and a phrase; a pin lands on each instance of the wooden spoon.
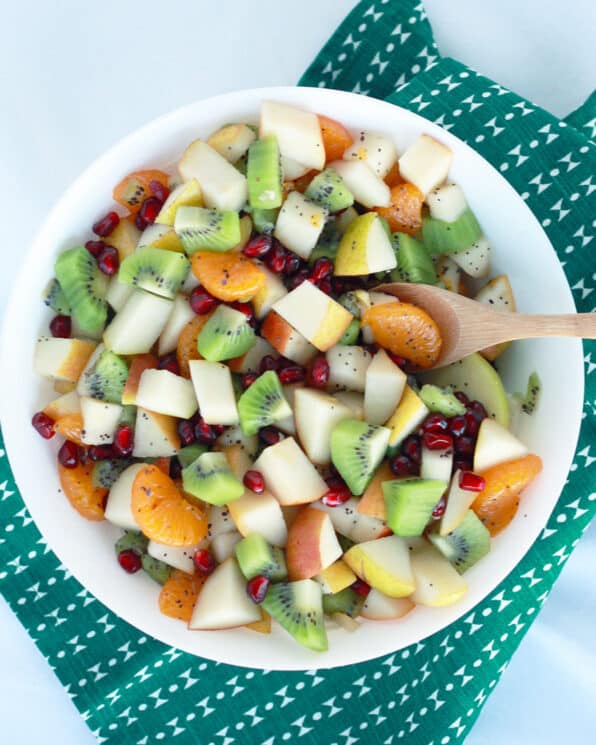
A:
(467, 326)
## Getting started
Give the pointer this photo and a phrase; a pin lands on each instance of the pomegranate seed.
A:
(254, 481)
(360, 587)
(60, 326)
(322, 268)
(267, 363)
(457, 425)
(159, 190)
(478, 410)
(169, 363)
(471, 481)
(276, 258)
(319, 372)
(140, 221)
(401, 362)
(245, 308)
(204, 561)
(175, 468)
(412, 448)
(257, 588)
(248, 379)
(372, 349)
(336, 495)
(437, 441)
(462, 464)
(95, 247)
(100, 452)
(297, 279)
(435, 423)
(464, 445)
(284, 362)
(270, 435)
(219, 429)
(293, 374)
(258, 247)
(150, 210)
(123, 441)
(44, 425)
(108, 261)
(462, 398)
(203, 433)
(292, 264)
(401, 465)
(472, 424)
(439, 509)
(202, 302)
(325, 286)
(104, 227)
(186, 431)
(68, 455)
(130, 560)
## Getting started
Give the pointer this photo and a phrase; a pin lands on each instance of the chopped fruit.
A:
(132, 191)
(426, 163)
(365, 248)
(204, 562)
(227, 276)
(436, 580)
(187, 343)
(210, 479)
(43, 425)
(464, 545)
(405, 330)
(336, 577)
(222, 185)
(286, 340)
(373, 501)
(384, 564)
(263, 626)
(298, 133)
(409, 414)
(393, 178)
(130, 561)
(298, 607)
(336, 138)
(187, 195)
(254, 481)
(312, 544)
(376, 150)
(179, 595)
(257, 588)
(62, 359)
(404, 213)
(138, 366)
(380, 607)
(70, 426)
(410, 502)
(495, 444)
(357, 449)
(68, 455)
(78, 487)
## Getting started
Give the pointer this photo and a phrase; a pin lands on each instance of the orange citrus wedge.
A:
(228, 276)
(179, 594)
(70, 426)
(405, 209)
(336, 138)
(77, 484)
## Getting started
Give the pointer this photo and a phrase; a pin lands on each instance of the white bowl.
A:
(521, 249)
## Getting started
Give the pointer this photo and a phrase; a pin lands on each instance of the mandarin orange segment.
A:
(134, 188)
(162, 512)
(336, 138)
(263, 626)
(187, 343)
(70, 426)
(497, 503)
(405, 210)
(393, 178)
(179, 594)
(229, 277)
(405, 330)
(77, 484)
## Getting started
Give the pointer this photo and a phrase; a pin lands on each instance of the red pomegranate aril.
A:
(464, 445)
(439, 509)
(401, 362)
(293, 374)
(123, 441)
(202, 302)
(470, 481)
(95, 247)
(44, 425)
(248, 379)
(319, 372)
(297, 279)
(435, 423)
(169, 363)
(150, 210)
(175, 468)
(457, 425)
(276, 258)
(68, 455)
(108, 261)
(130, 561)
(219, 429)
(401, 465)
(292, 264)
(270, 435)
(257, 588)
(437, 441)
(254, 481)
(267, 363)
(360, 587)
(336, 495)
(258, 247)
(325, 285)
(100, 452)
(106, 225)
(159, 190)
(478, 410)
(61, 327)
(245, 308)
(322, 268)
(412, 448)
(283, 362)
(204, 562)
(186, 432)
(203, 433)
(472, 424)
(140, 221)
(462, 398)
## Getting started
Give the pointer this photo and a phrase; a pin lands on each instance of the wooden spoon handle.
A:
(525, 326)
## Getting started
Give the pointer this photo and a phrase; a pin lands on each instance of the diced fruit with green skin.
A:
(465, 545)
(441, 400)
(203, 229)
(357, 449)
(376, 150)
(380, 607)
(446, 202)
(158, 570)
(383, 564)
(328, 189)
(255, 556)
(351, 334)
(425, 163)
(55, 299)
(264, 174)
(436, 464)
(479, 380)
(346, 601)
(351, 303)
(190, 453)
(409, 504)
(298, 133)
(299, 224)
(348, 366)
(184, 195)
(106, 472)
(262, 403)
(298, 608)
(365, 248)
(84, 287)
(155, 270)
(100, 420)
(104, 376)
(451, 237)
(383, 388)
(212, 382)
(529, 400)
(475, 260)
(235, 436)
(118, 507)
(222, 546)
(437, 583)
(232, 141)
(209, 478)
(227, 334)
(414, 263)
(368, 189)
(131, 540)
(136, 328)
(223, 187)
(495, 444)
(264, 220)
(459, 502)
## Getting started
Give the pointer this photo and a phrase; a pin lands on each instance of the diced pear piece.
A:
(298, 133)
(437, 582)
(162, 236)
(156, 435)
(118, 507)
(222, 185)
(376, 150)
(426, 163)
(272, 291)
(348, 521)
(174, 556)
(62, 359)
(348, 366)
(344, 219)
(436, 464)
(497, 294)
(299, 224)
(383, 388)
(166, 393)
(184, 195)
(446, 202)
(212, 382)
(368, 189)
(459, 502)
(354, 401)
(250, 362)
(495, 444)
(365, 248)
(384, 564)
(316, 414)
(286, 340)
(233, 141)
(373, 499)
(100, 421)
(475, 261)
(448, 273)
(291, 169)
(380, 607)
(138, 325)
(260, 513)
(335, 578)
(409, 414)
(180, 315)
(118, 293)
(139, 364)
(312, 545)
(68, 403)
(235, 436)
(124, 238)
(223, 545)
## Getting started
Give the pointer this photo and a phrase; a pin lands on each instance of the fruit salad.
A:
(263, 425)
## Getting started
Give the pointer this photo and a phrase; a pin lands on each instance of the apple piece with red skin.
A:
(312, 544)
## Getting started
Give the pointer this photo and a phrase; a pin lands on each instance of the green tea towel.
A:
(132, 689)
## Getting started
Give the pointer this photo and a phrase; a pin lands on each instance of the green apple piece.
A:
(383, 564)
(368, 189)
(495, 444)
(364, 248)
(437, 582)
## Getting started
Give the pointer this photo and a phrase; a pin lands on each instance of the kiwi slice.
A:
(210, 478)
(202, 229)
(156, 569)
(55, 299)
(346, 601)
(350, 302)
(264, 220)
(328, 243)
(226, 334)
(529, 400)
(441, 400)
(105, 472)
(190, 453)
(409, 504)
(414, 263)
(357, 448)
(465, 545)
(256, 556)
(155, 270)
(329, 190)
(262, 403)
(105, 379)
(131, 541)
(128, 416)
(84, 288)
(442, 237)
(298, 608)
(350, 335)
(263, 173)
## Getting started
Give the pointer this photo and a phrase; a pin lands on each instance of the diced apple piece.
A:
(372, 502)
(368, 189)
(437, 582)
(376, 150)
(166, 393)
(62, 359)
(250, 362)
(260, 513)
(446, 202)
(448, 273)
(354, 401)
(235, 436)
(138, 366)
(238, 459)
(286, 340)
(118, 507)
(124, 238)
(118, 293)
(312, 544)
(289, 474)
(384, 564)
(298, 133)
(69, 403)
(222, 185)
(383, 388)
(100, 420)
(436, 464)
(348, 366)
(426, 163)
(316, 414)
(335, 578)
(223, 545)
(212, 382)
(184, 195)
(156, 435)
(495, 444)
(180, 315)
(136, 327)
(272, 291)
(459, 502)
(475, 261)
(223, 602)
(380, 607)
(348, 521)
(498, 294)
(409, 415)
(233, 141)
(299, 224)
(365, 248)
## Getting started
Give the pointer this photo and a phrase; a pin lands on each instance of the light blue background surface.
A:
(75, 77)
